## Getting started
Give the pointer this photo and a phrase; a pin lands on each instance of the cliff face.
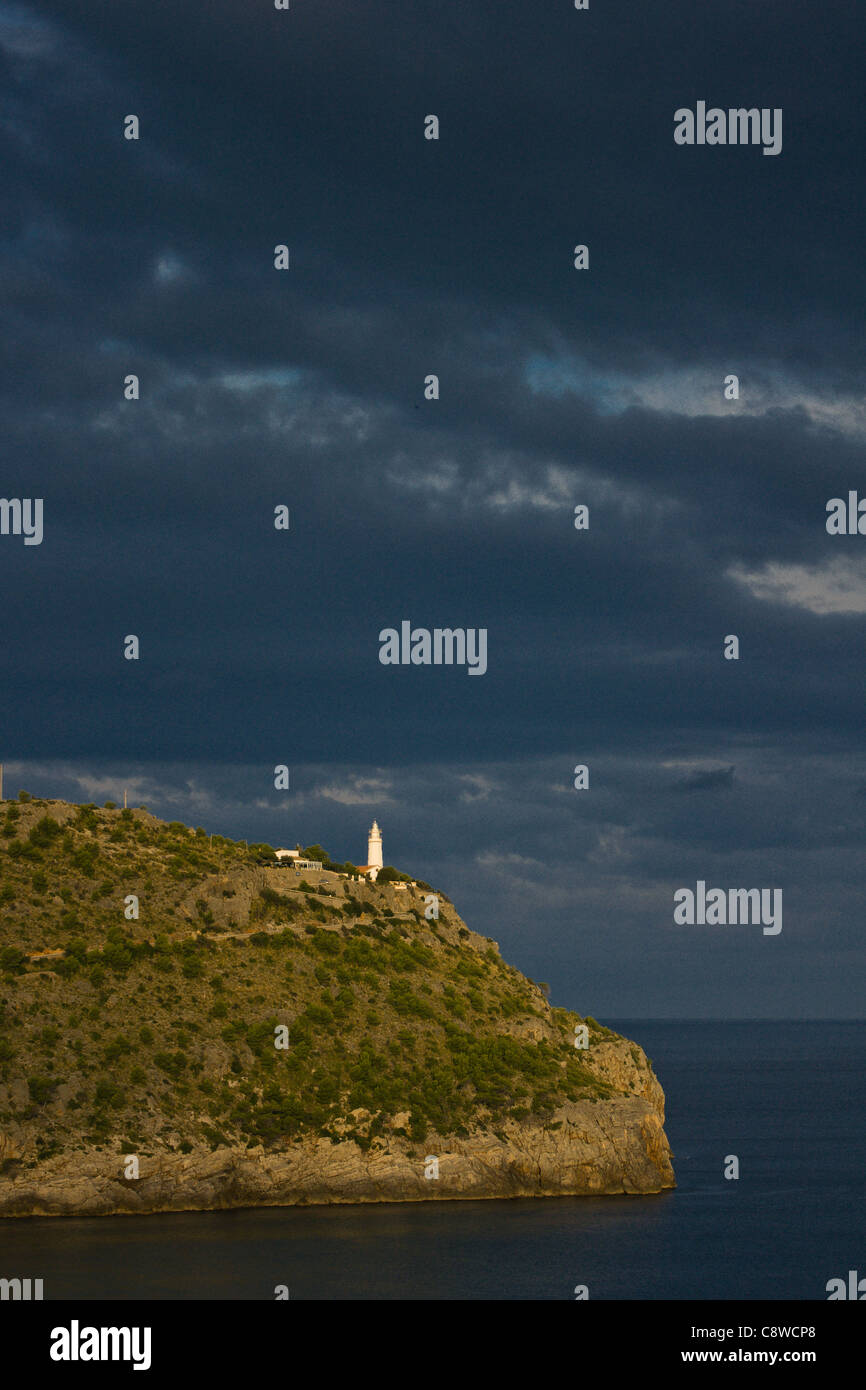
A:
(618, 1147)
(256, 1039)
(592, 1148)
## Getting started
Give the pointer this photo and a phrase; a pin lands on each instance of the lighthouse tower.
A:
(374, 849)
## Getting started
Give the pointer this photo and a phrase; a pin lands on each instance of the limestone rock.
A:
(610, 1146)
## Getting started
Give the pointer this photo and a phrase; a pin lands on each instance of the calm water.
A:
(789, 1099)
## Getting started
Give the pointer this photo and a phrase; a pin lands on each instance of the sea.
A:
(786, 1099)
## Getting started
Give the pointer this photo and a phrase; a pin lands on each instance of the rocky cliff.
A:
(255, 1038)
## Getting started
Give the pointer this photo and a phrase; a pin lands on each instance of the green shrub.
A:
(41, 1088)
(327, 942)
(418, 1126)
(391, 875)
(44, 832)
(110, 1094)
(12, 961)
(172, 1063)
(118, 1047)
(84, 860)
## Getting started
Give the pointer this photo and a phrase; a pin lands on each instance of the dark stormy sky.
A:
(558, 387)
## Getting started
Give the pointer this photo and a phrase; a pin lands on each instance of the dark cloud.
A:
(557, 388)
(707, 781)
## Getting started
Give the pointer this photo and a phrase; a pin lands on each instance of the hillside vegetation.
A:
(159, 1034)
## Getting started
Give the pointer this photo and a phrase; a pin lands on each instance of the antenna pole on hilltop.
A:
(124, 798)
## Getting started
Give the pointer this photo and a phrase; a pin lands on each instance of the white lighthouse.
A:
(374, 849)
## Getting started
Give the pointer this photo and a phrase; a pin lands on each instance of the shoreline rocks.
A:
(593, 1149)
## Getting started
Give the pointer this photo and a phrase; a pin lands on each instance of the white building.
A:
(374, 847)
(374, 853)
(294, 859)
(371, 869)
